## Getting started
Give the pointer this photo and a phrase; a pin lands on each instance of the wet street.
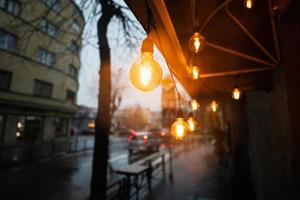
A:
(63, 177)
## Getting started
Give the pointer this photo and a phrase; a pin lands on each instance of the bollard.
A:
(163, 163)
(149, 174)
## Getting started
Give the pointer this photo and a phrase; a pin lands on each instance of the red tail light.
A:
(163, 145)
(130, 137)
(145, 139)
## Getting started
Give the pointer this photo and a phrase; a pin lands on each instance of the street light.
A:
(146, 73)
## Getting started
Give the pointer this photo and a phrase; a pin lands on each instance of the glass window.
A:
(29, 128)
(8, 41)
(74, 46)
(60, 125)
(42, 88)
(45, 57)
(72, 71)
(5, 80)
(3, 4)
(70, 96)
(52, 4)
(11, 6)
(48, 27)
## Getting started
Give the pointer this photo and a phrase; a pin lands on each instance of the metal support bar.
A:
(245, 30)
(235, 72)
(274, 31)
(239, 54)
(212, 14)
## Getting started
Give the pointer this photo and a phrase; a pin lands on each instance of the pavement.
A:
(197, 176)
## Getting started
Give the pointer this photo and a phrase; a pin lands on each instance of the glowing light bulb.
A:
(196, 42)
(195, 72)
(249, 4)
(19, 125)
(18, 134)
(179, 128)
(191, 123)
(195, 105)
(214, 106)
(236, 93)
(146, 73)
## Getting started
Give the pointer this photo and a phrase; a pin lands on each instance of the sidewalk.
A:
(197, 176)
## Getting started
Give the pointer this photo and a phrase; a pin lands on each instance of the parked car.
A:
(141, 141)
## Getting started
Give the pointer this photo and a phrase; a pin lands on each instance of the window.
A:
(42, 89)
(52, 4)
(30, 129)
(45, 57)
(74, 47)
(11, 6)
(60, 125)
(72, 71)
(48, 28)
(76, 26)
(8, 41)
(70, 96)
(5, 80)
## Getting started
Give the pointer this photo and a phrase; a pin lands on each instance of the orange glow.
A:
(191, 123)
(236, 93)
(249, 4)
(196, 42)
(195, 72)
(179, 128)
(214, 106)
(195, 105)
(91, 125)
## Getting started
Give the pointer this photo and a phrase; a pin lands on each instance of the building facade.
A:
(40, 44)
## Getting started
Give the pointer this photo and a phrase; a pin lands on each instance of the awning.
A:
(241, 44)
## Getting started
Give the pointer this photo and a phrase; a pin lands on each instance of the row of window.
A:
(8, 41)
(14, 7)
(41, 88)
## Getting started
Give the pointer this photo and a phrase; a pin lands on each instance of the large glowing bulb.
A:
(179, 128)
(195, 105)
(214, 106)
(236, 93)
(196, 42)
(145, 73)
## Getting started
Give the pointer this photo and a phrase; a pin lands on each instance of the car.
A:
(143, 141)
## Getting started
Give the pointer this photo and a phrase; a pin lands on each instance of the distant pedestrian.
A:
(72, 131)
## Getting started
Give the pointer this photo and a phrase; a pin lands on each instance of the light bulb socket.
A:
(147, 45)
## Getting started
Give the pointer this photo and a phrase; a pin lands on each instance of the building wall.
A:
(19, 103)
(269, 141)
(23, 62)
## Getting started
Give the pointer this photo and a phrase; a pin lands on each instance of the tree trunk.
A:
(100, 157)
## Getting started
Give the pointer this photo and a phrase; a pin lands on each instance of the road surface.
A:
(61, 178)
